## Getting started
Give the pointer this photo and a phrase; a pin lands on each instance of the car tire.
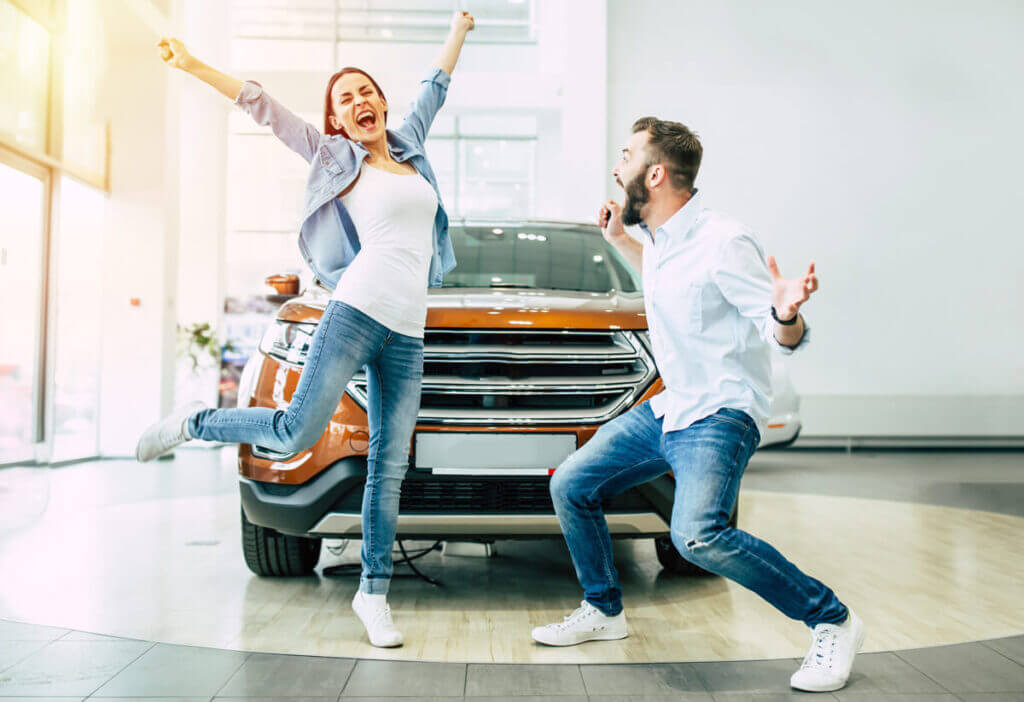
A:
(673, 562)
(271, 553)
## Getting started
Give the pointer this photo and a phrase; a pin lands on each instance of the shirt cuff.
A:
(788, 350)
(439, 76)
(251, 90)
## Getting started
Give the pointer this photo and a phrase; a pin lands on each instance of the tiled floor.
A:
(40, 663)
(45, 663)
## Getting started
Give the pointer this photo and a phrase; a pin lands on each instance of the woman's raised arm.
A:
(462, 24)
(175, 55)
(297, 134)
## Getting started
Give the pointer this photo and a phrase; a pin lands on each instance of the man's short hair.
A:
(675, 146)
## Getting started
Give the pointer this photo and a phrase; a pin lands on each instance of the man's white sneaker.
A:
(166, 434)
(587, 623)
(375, 614)
(827, 665)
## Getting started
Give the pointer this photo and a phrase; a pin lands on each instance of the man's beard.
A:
(636, 197)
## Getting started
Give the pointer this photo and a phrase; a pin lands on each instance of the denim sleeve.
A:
(433, 91)
(741, 273)
(297, 134)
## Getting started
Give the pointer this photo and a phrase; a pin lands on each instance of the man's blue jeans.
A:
(345, 341)
(708, 459)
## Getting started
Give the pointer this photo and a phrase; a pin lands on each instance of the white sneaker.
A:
(166, 434)
(587, 623)
(375, 614)
(827, 665)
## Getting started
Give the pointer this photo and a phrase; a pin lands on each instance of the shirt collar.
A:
(681, 223)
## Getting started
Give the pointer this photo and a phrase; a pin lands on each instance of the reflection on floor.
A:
(152, 552)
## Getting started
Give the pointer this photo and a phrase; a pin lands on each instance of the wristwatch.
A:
(786, 323)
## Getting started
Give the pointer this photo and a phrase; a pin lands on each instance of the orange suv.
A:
(536, 339)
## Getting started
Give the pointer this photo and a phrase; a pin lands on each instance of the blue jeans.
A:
(708, 459)
(345, 341)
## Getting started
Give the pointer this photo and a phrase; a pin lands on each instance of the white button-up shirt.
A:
(708, 297)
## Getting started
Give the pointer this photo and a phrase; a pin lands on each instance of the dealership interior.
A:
(149, 232)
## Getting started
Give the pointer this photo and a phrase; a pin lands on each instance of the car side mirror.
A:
(284, 284)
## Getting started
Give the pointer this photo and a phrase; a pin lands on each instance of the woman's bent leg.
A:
(393, 402)
(343, 342)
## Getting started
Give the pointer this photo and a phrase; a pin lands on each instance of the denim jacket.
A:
(327, 237)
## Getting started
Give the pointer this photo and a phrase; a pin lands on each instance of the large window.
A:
(78, 249)
(22, 201)
(498, 21)
(485, 165)
(24, 78)
(50, 129)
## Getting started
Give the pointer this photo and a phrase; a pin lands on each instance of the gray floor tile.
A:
(69, 668)
(531, 698)
(377, 698)
(86, 636)
(273, 699)
(645, 679)
(992, 697)
(12, 652)
(747, 676)
(269, 675)
(175, 671)
(678, 697)
(16, 631)
(1011, 648)
(406, 679)
(523, 680)
(43, 699)
(967, 668)
(876, 696)
(771, 697)
(150, 699)
(887, 672)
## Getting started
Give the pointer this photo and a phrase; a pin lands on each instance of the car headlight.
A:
(288, 341)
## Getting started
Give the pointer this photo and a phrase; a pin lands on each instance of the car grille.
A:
(526, 377)
(475, 496)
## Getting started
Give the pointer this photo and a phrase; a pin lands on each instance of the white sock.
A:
(378, 600)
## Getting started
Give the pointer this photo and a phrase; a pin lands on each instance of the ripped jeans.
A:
(708, 459)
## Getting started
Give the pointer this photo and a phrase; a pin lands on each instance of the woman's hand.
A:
(463, 22)
(174, 53)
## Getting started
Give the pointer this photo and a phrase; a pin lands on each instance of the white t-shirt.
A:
(387, 280)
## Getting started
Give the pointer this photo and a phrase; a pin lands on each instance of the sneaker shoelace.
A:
(823, 649)
(577, 615)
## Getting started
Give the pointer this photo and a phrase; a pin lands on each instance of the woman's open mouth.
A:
(366, 120)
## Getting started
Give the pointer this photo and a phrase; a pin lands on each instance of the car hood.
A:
(487, 308)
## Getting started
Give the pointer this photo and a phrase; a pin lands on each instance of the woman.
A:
(374, 229)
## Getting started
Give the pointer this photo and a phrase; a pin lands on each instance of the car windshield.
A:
(550, 257)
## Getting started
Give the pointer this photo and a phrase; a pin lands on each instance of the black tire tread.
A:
(270, 553)
(674, 562)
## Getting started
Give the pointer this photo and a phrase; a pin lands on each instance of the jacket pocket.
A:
(327, 161)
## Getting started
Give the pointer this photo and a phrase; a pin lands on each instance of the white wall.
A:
(140, 244)
(883, 141)
(202, 157)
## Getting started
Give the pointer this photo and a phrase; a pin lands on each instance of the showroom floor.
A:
(924, 545)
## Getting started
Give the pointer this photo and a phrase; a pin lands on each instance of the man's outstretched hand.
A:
(788, 294)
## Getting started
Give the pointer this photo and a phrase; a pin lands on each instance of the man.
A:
(714, 308)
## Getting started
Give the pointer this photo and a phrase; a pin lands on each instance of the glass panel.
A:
(79, 248)
(496, 178)
(84, 131)
(21, 238)
(382, 20)
(24, 77)
(535, 256)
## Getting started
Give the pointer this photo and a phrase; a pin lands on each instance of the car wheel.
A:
(268, 552)
(673, 561)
